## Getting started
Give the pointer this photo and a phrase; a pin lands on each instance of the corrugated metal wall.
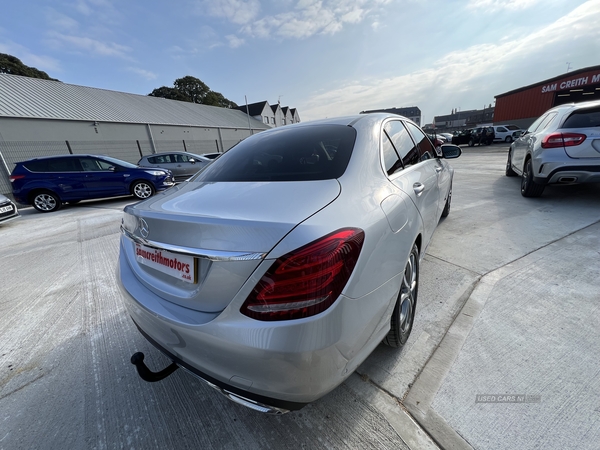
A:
(22, 139)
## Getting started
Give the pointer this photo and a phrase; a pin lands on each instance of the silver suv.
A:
(561, 147)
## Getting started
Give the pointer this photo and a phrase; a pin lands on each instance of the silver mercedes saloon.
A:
(275, 271)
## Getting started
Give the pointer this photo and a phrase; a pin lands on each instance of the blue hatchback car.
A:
(47, 183)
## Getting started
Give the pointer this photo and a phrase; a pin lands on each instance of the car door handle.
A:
(418, 188)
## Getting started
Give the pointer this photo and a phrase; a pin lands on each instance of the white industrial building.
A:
(42, 118)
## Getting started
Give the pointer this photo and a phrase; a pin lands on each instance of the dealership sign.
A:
(575, 82)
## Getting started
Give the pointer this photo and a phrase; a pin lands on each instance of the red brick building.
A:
(522, 106)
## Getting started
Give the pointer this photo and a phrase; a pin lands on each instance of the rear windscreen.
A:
(319, 152)
(583, 118)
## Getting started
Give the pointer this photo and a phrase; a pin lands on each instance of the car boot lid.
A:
(230, 217)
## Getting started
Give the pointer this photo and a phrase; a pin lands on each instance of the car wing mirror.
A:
(112, 168)
(451, 151)
(192, 160)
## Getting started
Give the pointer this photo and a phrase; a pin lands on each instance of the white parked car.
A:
(561, 147)
(505, 133)
(275, 271)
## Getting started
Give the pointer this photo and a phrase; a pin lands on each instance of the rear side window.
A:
(36, 166)
(161, 159)
(583, 118)
(541, 123)
(53, 165)
(319, 152)
(426, 149)
(402, 142)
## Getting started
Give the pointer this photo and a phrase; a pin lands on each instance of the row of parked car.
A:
(487, 135)
(47, 183)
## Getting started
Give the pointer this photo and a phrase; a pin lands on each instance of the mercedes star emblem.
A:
(144, 228)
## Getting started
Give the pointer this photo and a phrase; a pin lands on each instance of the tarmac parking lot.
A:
(503, 353)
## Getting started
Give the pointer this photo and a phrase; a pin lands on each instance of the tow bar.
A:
(146, 374)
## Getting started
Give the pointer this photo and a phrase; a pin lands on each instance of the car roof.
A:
(79, 155)
(573, 106)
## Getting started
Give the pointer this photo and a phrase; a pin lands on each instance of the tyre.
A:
(471, 143)
(46, 201)
(530, 188)
(446, 210)
(404, 312)
(142, 189)
(509, 170)
(508, 139)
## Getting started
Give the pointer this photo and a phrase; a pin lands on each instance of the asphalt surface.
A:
(503, 352)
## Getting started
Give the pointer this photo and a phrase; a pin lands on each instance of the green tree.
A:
(13, 65)
(191, 89)
(168, 92)
(216, 99)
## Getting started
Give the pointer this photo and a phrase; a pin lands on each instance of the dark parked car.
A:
(474, 136)
(8, 210)
(482, 136)
(181, 164)
(47, 183)
(463, 137)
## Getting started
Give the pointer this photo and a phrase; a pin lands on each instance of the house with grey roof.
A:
(272, 115)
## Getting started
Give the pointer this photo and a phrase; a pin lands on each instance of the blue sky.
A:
(324, 57)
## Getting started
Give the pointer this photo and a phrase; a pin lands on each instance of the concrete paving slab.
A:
(531, 355)
(530, 324)
(66, 380)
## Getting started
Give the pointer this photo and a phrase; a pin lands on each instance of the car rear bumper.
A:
(571, 174)
(284, 364)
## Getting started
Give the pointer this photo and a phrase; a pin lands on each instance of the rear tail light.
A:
(15, 177)
(555, 140)
(308, 280)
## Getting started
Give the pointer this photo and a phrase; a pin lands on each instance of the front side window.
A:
(94, 165)
(319, 152)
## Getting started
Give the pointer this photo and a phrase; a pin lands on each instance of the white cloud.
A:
(61, 21)
(500, 5)
(100, 11)
(236, 11)
(234, 41)
(445, 85)
(305, 19)
(143, 73)
(82, 43)
(41, 62)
